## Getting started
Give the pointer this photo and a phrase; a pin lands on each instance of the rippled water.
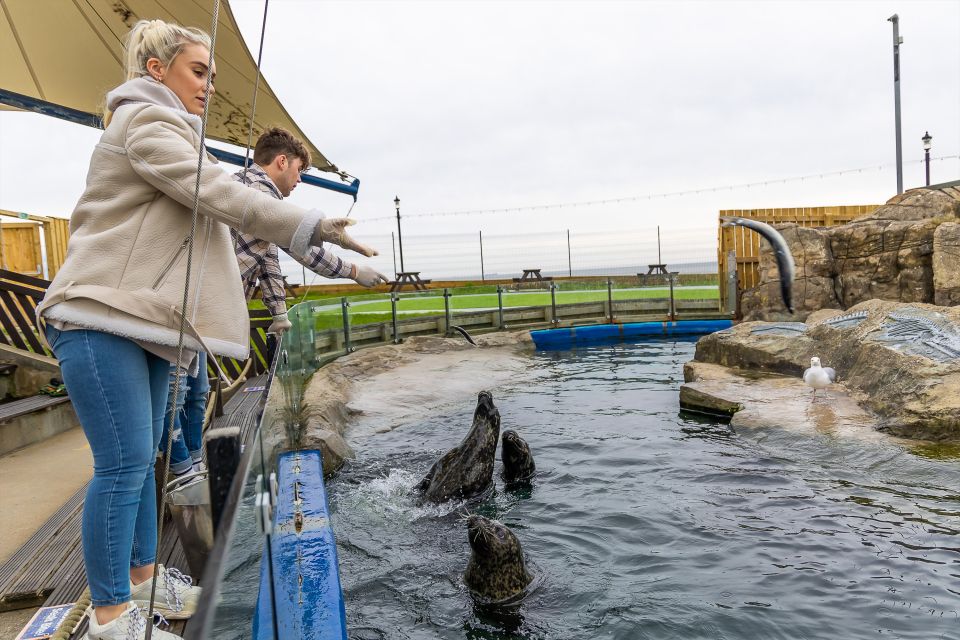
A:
(646, 524)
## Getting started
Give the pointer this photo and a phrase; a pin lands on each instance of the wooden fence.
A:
(745, 244)
(20, 295)
(21, 243)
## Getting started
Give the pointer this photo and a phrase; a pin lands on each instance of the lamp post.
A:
(396, 202)
(897, 41)
(927, 139)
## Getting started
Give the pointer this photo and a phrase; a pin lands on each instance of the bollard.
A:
(553, 302)
(393, 311)
(610, 299)
(500, 305)
(344, 305)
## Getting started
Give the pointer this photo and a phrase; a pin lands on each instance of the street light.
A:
(396, 202)
(897, 41)
(927, 139)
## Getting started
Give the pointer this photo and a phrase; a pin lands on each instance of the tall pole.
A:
(569, 259)
(393, 245)
(897, 41)
(659, 261)
(396, 201)
(483, 277)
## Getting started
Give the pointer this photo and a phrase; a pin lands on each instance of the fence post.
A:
(610, 299)
(483, 276)
(569, 259)
(446, 310)
(731, 282)
(500, 304)
(553, 302)
(673, 307)
(344, 305)
(393, 311)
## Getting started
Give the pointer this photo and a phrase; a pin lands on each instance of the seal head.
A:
(496, 572)
(518, 465)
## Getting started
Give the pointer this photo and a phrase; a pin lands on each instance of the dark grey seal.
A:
(518, 463)
(496, 572)
(467, 470)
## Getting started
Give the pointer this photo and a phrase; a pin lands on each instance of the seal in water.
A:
(496, 572)
(518, 463)
(467, 469)
(782, 252)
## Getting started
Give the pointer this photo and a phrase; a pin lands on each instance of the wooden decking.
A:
(48, 569)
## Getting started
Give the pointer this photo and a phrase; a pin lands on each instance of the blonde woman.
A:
(113, 311)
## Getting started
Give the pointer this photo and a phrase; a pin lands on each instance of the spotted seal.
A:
(466, 470)
(518, 463)
(496, 572)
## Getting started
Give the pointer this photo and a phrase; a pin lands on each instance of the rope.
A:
(69, 624)
(183, 316)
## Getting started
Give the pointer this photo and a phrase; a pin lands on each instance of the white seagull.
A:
(818, 377)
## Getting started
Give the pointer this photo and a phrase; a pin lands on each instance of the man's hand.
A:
(333, 230)
(279, 325)
(366, 276)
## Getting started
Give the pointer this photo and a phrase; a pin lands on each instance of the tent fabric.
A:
(69, 52)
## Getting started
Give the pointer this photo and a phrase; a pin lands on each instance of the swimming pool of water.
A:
(643, 523)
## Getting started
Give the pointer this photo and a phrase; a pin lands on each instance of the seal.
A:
(781, 251)
(496, 572)
(518, 463)
(466, 470)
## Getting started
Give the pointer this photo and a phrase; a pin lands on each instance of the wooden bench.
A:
(411, 278)
(17, 408)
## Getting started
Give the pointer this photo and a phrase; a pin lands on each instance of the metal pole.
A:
(393, 311)
(399, 235)
(344, 305)
(897, 41)
(673, 308)
(659, 261)
(553, 301)
(926, 160)
(446, 309)
(569, 261)
(610, 299)
(483, 277)
(393, 245)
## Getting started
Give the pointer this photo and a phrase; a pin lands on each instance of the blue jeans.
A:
(119, 392)
(191, 406)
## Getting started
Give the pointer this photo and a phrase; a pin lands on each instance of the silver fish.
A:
(785, 263)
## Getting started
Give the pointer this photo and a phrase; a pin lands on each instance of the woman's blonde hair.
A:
(155, 39)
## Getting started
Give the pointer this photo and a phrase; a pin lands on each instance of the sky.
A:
(472, 106)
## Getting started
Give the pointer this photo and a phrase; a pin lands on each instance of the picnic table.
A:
(531, 276)
(657, 269)
(411, 278)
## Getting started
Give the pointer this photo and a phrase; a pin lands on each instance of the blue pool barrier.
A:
(306, 575)
(567, 338)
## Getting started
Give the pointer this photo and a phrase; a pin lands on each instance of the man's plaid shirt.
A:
(260, 261)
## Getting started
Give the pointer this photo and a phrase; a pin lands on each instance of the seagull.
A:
(818, 377)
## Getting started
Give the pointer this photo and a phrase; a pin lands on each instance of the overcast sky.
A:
(459, 106)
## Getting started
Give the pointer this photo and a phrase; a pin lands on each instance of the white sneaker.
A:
(176, 597)
(131, 625)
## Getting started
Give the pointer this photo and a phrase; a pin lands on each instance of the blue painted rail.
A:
(306, 576)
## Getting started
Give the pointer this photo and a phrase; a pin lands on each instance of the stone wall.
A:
(906, 251)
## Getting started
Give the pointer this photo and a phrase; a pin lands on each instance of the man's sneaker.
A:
(131, 625)
(176, 597)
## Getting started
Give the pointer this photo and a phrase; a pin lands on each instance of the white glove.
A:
(367, 276)
(334, 230)
(279, 324)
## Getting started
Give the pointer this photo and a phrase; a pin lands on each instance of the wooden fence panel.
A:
(746, 243)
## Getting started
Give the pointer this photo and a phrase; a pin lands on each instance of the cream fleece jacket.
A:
(126, 261)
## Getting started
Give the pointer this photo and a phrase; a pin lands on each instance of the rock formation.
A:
(908, 250)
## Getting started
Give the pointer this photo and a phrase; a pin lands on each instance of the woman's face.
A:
(186, 76)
